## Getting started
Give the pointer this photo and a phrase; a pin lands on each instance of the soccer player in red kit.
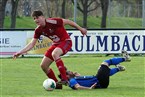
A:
(53, 28)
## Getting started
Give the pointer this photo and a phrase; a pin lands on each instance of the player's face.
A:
(40, 20)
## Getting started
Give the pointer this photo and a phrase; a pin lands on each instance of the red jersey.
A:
(53, 29)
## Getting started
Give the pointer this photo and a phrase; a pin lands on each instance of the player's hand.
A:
(93, 86)
(77, 74)
(84, 31)
(16, 55)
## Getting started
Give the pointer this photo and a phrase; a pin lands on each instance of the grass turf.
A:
(23, 78)
(93, 22)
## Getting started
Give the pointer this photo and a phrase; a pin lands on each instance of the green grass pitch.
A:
(23, 77)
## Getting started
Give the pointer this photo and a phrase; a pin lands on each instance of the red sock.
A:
(51, 75)
(61, 68)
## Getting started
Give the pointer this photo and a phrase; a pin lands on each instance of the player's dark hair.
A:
(37, 13)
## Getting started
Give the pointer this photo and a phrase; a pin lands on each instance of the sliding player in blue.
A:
(101, 79)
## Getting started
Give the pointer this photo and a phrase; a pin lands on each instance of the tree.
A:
(52, 7)
(47, 8)
(86, 6)
(2, 12)
(14, 12)
(132, 8)
(104, 7)
(27, 8)
(63, 9)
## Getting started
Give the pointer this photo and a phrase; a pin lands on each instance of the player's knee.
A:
(105, 63)
(55, 56)
(43, 67)
(57, 53)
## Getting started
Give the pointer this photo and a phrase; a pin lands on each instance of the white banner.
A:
(96, 41)
(12, 41)
(108, 41)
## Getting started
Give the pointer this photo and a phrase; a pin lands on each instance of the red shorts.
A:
(65, 46)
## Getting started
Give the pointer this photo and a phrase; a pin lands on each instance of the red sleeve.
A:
(55, 21)
(37, 33)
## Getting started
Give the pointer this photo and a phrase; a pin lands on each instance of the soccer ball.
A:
(49, 84)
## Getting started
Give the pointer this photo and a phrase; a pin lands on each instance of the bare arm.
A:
(77, 86)
(75, 25)
(76, 74)
(26, 48)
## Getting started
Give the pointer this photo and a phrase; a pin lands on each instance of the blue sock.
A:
(113, 71)
(114, 61)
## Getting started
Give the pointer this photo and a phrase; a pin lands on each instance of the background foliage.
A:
(106, 10)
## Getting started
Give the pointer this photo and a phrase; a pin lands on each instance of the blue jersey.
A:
(86, 81)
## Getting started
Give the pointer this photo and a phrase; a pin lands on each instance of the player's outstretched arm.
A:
(26, 48)
(93, 86)
(75, 25)
(77, 86)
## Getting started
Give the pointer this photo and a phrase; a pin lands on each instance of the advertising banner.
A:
(11, 42)
(41, 46)
(96, 41)
(108, 41)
